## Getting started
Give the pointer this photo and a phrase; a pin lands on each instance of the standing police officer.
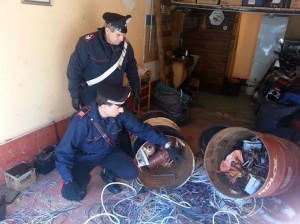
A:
(92, 139)
(102, 55)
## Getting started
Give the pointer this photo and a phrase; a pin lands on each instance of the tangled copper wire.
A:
(159, 158)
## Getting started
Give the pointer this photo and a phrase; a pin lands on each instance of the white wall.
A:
(36, 43)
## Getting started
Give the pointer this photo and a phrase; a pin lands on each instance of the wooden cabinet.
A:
(145, 81)
(145, 97)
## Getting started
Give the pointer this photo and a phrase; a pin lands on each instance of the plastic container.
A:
(250, 87)
(284, 164)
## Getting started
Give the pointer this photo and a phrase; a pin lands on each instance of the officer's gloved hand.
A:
(76, 103)
(175, 154)
(70, 191)
(136, 97)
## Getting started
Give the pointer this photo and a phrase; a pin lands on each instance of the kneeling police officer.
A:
(92, 139)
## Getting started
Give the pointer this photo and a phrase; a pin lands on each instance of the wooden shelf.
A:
(285, 11)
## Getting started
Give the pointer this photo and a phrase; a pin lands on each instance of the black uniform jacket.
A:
(82, 135)
(92, 57)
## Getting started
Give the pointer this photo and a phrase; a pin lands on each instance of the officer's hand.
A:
(76, 103)
(136, 98)
(175, 154)
(70, 191)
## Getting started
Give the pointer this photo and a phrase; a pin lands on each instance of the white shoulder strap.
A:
(104, 75)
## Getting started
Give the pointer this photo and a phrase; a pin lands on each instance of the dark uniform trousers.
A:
(117, 161)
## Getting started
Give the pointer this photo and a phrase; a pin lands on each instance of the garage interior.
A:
(211, 64)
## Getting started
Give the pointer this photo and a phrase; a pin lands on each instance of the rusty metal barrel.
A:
(168, 176)
(283, 156)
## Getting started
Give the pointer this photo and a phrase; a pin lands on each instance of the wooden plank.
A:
(164, 35)
(159, 42)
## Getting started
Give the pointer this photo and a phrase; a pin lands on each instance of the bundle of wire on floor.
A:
(242, 208)
(238, 209)
(36, 215)
(199, 175)
(188, 204)
(41, 205)
(130, 207)
(194, 202)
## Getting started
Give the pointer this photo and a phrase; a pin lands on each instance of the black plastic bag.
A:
(173, 105)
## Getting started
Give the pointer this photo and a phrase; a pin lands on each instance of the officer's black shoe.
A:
(83, 182)
(110, 177)
(82, 194)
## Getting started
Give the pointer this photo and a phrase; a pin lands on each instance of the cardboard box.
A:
(20, 177)
(231, 2)
(295, 4)
(208, 2)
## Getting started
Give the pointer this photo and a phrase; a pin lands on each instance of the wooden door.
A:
(215, 45)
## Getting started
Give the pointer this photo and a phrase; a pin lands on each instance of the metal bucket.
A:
(168, 177)
(284, 164)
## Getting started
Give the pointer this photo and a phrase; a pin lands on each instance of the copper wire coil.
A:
(159, 158)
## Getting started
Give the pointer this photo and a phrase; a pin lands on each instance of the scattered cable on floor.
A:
(228, 213)
(38, 216)
(190, 203)
(130, 207)
(103, 214)
(277, 211)
(199, 175)
(40, 204)
(241, 207)
(196, 202)
(102, 198)
(171, 198)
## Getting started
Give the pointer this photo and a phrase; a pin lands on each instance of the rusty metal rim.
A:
(162, 121)
(188, 151)
(277, 149)
(153, 113)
